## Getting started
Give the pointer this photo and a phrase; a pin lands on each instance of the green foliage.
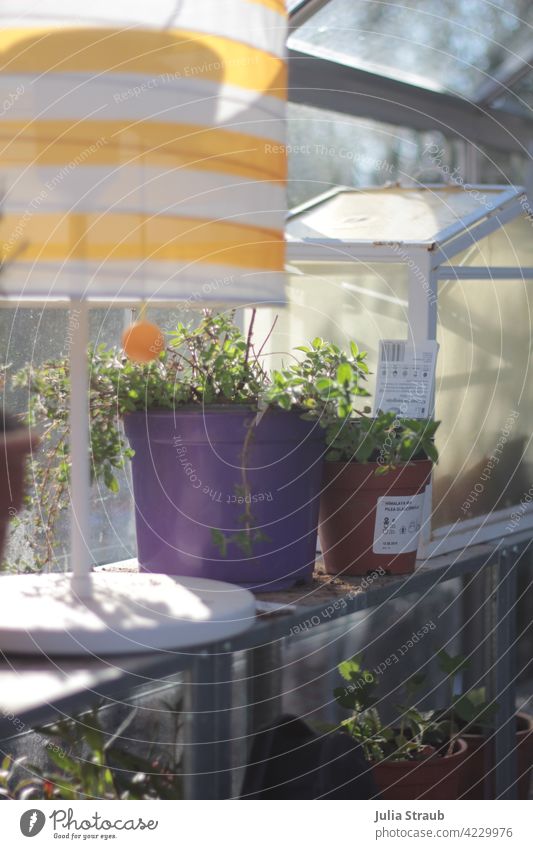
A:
(418, 729)
(324, 384)
(451, 666)
(87, 763)
(14, 787)
(466, 711)
(215, 363)
(327, 384)
(385, 439)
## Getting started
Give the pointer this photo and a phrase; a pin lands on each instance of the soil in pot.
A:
(475, 765)
(434, 777)
(15, 444)
(370, 521)
(187, 479)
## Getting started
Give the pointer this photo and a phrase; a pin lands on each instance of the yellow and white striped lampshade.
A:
(142, 149)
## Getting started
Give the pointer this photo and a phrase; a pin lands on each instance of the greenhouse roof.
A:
(425, 217)
(460, 67)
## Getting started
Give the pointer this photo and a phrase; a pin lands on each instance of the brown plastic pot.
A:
(475, 766)
(348, 515)
(431, 778)
(15, 445)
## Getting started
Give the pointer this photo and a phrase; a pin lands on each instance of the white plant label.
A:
(406, 378)
(398, 523)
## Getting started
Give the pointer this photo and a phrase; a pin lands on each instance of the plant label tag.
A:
(398, 523)
(406, 378)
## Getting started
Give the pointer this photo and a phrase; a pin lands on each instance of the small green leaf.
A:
(344, 373)
(110, 480)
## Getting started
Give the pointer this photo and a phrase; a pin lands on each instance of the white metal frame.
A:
(429, 260)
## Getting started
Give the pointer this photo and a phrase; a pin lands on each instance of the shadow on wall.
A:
(492, 484)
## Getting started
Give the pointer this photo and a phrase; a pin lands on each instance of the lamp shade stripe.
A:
(180, 53)
(276, 5)
(193, 282)
(127, 236)
(145, 137)
(181, 192)
(133, 97)
(114, 142)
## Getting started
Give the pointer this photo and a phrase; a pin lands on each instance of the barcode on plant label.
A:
(393, 352)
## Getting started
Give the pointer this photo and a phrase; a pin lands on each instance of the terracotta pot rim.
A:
(399, 765)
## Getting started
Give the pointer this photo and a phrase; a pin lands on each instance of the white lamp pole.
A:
(79, 443)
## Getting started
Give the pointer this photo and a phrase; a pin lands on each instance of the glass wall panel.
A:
(484, 383)
(327, 149)
(452, 45)
(35, 336)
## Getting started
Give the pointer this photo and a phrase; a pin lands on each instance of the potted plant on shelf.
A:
(473, 716)
(375, 475)
(226, 458)
(417, 759)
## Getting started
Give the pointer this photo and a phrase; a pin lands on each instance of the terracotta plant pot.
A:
(370, 521)
(14, 446)
(475, 766)
(432, 778)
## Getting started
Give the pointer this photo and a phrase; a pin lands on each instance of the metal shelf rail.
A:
(34, 691)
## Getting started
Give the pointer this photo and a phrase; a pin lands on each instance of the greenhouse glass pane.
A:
(327, 149)
(510, 245)
(484, 398)
(499, 166)
(519, 98)
(454, 45)
(485, 386)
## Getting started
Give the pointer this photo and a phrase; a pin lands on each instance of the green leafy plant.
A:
(468, 711)
(327, 384)
(324, 384)
(87, 763)
(419, 734)
(384, 439)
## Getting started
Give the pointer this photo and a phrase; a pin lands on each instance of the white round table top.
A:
(118, 613)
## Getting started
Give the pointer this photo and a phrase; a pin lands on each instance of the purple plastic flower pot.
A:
(187, 482)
